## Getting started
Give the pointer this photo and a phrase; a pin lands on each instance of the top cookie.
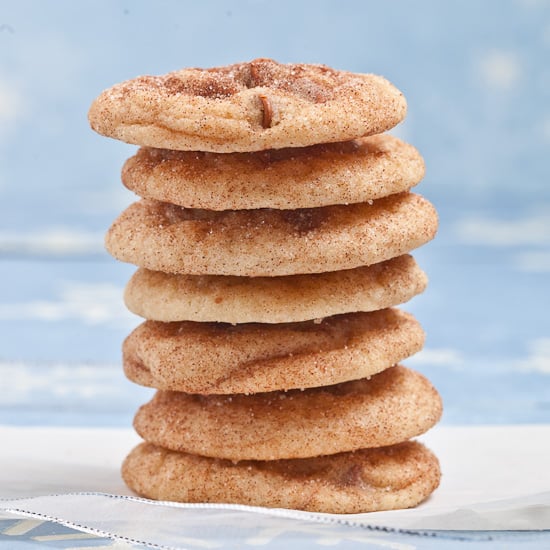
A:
(247, 107)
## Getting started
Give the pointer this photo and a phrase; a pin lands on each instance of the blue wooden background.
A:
(477, 79)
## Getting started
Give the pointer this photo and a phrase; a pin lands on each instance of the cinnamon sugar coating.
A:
(219, 298)
(319, 175)
(217, 358)
(388, 478)
(393, 406)
(249, 106)
(255, 243)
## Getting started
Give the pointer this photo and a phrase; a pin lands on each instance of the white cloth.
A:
(494, 478)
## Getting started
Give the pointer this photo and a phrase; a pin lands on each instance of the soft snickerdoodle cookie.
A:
(164, 237)
(217, 358)
(307, 177)
(247, 107)
(388, 478)
(393, 406)
(228, 299)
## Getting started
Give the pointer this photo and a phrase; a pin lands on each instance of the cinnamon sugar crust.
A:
(218, 358)
(254, 243)
(368, 480)
(307, 177)
(219, 298)
(249, 106)
(393, 406)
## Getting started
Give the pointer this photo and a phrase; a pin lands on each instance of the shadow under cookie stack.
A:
(273, 239)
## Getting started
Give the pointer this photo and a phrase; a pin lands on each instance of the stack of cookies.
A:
(272, 240)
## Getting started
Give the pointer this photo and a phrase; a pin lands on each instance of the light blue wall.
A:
(477, 78)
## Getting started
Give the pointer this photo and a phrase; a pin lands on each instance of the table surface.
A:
(477, 499)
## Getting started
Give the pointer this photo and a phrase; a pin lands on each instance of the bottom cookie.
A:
(386, 478)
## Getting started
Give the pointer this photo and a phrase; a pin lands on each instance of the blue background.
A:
(477, 79)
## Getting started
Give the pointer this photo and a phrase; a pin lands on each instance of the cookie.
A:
(319, 175)
(228, 299)
(255, 243)
(368, 480)
(216, 358)
(223, 359)
(393, 406)
(247, 107)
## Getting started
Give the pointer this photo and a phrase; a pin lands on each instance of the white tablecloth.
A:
(494, 478)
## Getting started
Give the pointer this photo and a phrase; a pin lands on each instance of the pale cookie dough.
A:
(393, 406)
(217, 358)
(369, 480)
(320, 175)
(228, 299)
(247, 107)
(164, 237)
